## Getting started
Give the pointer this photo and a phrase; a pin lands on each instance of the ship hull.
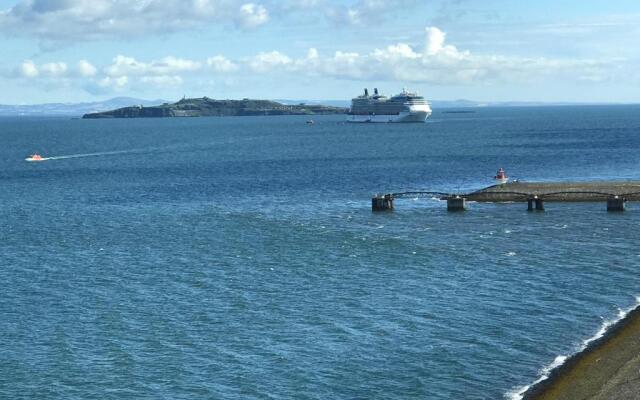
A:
(419, 116)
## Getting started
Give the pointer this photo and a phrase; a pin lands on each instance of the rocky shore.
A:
(608, 369)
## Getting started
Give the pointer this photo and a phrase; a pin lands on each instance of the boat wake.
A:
(518, 394)
(171, 148)
(102, 153)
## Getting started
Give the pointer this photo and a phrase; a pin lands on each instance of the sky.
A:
(483, 50)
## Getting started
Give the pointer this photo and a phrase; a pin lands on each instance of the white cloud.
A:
(395, 52)
(72, 20)
(221, 64)
(28, 69)
(54, 69)
(86, 69)
(435, 40)
(295, 5)
(172, 65)
(125, 66)
(56, 21)
(252, 15)
(117, 83)
(122, 66)
(162, 81)
(435, 62)
(347, 65)
(267, 61)
(364, 12)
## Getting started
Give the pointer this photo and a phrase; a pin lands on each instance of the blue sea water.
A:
(238, 258)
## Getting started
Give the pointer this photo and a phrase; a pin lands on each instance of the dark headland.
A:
(206, 107)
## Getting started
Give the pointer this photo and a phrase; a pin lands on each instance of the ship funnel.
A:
(375, 91)
(366, 91)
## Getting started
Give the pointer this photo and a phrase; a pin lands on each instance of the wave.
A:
(518, 394)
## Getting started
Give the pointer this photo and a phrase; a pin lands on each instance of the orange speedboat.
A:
(35, 157)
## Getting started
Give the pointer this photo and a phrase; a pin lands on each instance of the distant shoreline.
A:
(81, 108)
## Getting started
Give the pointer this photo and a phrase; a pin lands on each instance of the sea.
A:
(238, 258)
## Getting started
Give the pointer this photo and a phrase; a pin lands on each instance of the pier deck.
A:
(556, 191)
(615, 193)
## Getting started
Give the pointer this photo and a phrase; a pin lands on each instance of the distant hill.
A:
(206, 107)
(435, 104)
(474, 104)
(73, 109)
(334, 103)
(461, 103)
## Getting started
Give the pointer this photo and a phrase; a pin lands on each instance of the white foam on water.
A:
(518, 393)
(109, 153)
(101, 153)
(511, 253)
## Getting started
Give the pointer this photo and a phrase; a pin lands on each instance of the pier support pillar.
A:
(456, 203)
(615, 203)
(382, 203)
(535, 203)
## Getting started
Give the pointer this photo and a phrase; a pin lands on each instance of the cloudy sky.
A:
(489, 50)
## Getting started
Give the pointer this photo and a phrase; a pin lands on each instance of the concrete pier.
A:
(536, 202)
(557, 192)
(382, 203)
(456, 203)
(615, 203)
(536, 194)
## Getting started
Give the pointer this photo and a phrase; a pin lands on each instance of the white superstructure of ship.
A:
(403, 107)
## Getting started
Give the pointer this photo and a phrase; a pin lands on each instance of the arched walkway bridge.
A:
(535, 194)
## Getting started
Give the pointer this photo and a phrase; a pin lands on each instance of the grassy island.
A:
(206, 107)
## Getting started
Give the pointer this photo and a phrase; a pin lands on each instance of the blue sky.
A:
(489, 50)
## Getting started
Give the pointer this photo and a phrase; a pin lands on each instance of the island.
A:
(206, 107)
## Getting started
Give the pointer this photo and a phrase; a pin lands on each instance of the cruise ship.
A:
(403, 107)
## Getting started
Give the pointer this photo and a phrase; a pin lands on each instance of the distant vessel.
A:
(35, 157)
(403, 107)
(501, 177)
